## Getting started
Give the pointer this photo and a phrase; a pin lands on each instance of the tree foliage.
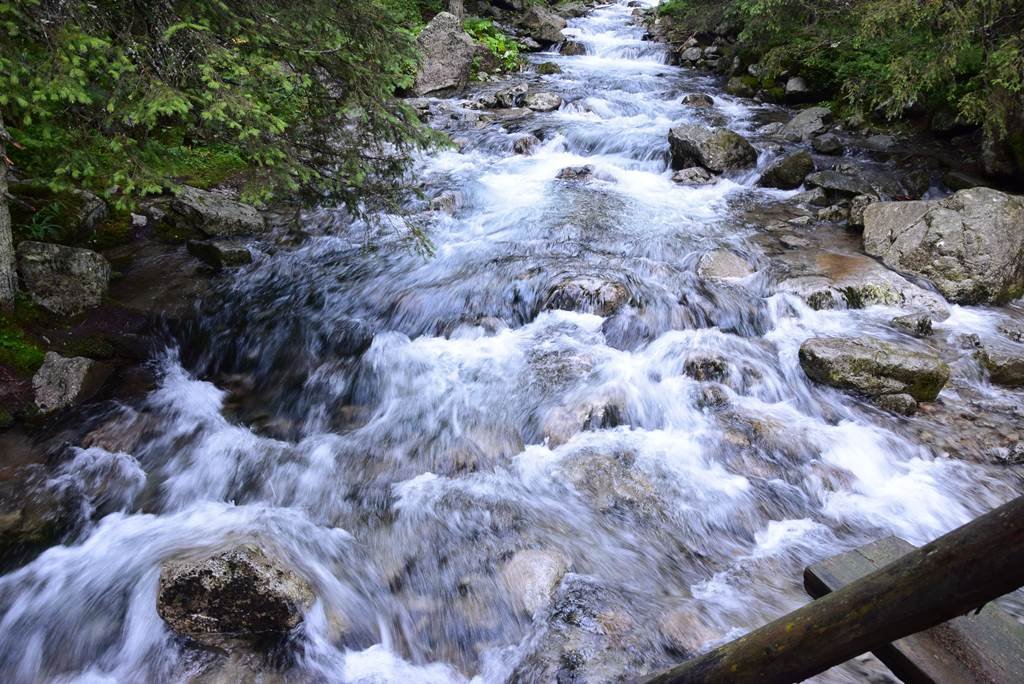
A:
(965, 57)
(128, 98)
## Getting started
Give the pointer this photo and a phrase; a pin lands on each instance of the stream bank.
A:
(576, 443)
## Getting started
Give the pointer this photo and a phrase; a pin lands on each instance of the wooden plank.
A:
(953, 575)
(984, 647)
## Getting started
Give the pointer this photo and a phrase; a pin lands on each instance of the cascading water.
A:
(660, 441)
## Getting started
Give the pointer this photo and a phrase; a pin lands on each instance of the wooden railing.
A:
(953, 575)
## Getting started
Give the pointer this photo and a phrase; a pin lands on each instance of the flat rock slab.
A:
(981, 647)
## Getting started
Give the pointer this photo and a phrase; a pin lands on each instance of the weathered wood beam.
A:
(956, 573)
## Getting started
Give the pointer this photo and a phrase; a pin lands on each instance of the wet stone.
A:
(239, 596)
(918, 325)
(220, 253)
(723, 265)
(576, 173)
(530, 576)
(695, 175)
(873, 367)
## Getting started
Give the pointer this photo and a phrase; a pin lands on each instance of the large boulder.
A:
(807, 123)
(237, 597)
(716, 149)
(64, 382)
(788, 173)
(970, 245)
(543, 25)
(446, 55)
(214, 214)
(873, 367)
(64, 280)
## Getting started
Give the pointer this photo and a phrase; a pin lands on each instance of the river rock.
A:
(64, 382)
(807, 123)
(970, 245)
(741, 86)
(827, 143)
(576, 173)
(828, 280)
(1005, 364)
(691, 54)
(510, 97)
(239, 596)
(723, 265)
(879, 143)
(548, 69)
(220, 252)
(525, 144)
(587, 295)
(788, 173)
(564, 422)
(530, 577)
(572, 48)
(214, 214)
(695, 175)
(716, 149)
(686, 631)
(543, 25)
(612, 482)
(858, 205)
(797, 89)
(917, 324)
(64, 280)
(543, 102)
(698, 101)
(873, 367)
(446, 55)
(840, 184)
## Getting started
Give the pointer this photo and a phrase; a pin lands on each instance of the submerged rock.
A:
(446, 55)
(214, 214)
(698, 100)
(723, 265)
(587, 295)
(64, 382)
(235, 597)
(64, 280)
(530, 577)
(576, 173)
(971, 245)
(716, 149)
(788, 173)
(572, 48)
(873, 367)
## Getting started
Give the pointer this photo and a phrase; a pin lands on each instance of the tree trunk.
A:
(457, 7)
(8, 275)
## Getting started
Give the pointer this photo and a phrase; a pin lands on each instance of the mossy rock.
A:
(68, 217)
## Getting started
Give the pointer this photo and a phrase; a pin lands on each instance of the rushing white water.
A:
(398, 480)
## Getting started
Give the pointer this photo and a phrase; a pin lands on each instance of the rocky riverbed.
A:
(661, 347)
